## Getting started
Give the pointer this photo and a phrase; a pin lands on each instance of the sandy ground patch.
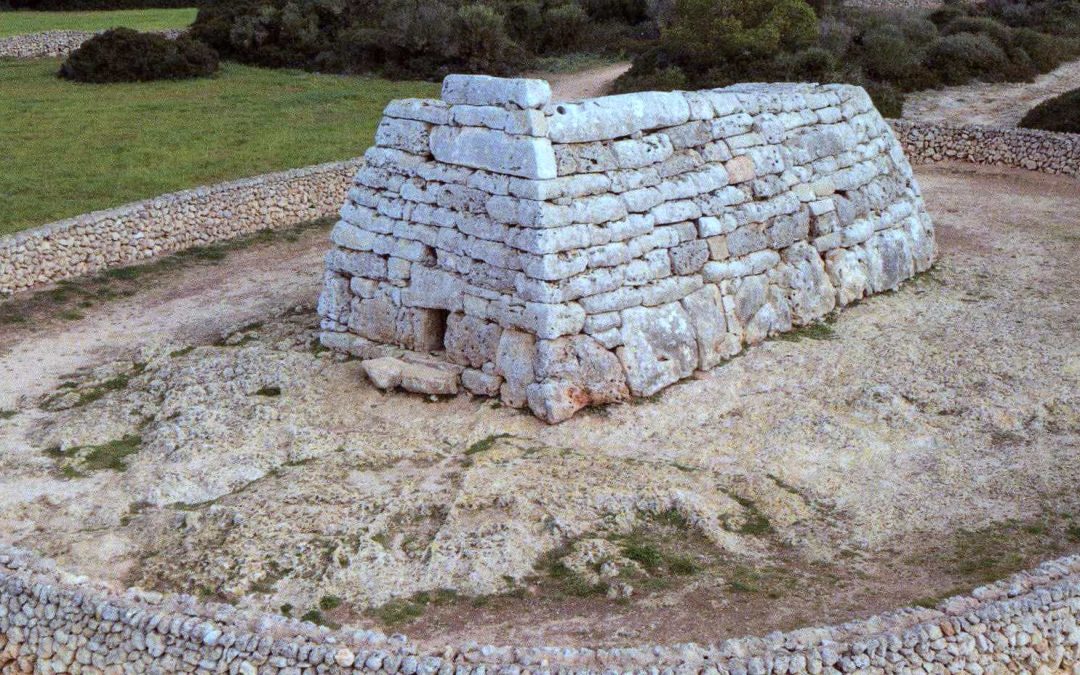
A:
(1000, 104)
(193, 437)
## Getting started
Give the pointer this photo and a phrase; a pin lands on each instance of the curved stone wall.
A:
(565, 255)
(169, 223)
(53, 43)
(1044, 151)
(53, 622)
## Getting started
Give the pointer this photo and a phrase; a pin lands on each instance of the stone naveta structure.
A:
(563, 255)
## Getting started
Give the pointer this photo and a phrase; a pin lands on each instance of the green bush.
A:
(1061, 114)
(716, 42)
(625, 11)
(956, 59)
(124, 55)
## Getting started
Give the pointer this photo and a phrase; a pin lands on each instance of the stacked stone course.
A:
(54, 622)
(54, 43)
(1032, 149)
(575, 254)
(170, 223)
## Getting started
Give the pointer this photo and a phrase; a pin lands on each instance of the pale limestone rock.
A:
(485, 90)
(514, 363)
(610, 117)
(658, 347)
(715, 343)
(496, 151)
(471, 341)
(384, 373)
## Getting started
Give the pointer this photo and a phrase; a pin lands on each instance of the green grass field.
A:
(68, 148)
(18, 23)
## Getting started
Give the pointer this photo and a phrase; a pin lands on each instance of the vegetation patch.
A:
(125, 55)
(484, 444)
(404, 610)
(1060, 114)
(78, 461)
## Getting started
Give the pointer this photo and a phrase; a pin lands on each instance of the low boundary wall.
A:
(54, 43)
(1044, 151)
(169, 223)
(52, 622)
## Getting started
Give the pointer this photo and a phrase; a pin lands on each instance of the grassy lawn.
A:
(18, 23)
(69, 148)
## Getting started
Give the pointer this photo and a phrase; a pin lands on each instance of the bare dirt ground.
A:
(191, 436)
(583, 84)
(1000, 104)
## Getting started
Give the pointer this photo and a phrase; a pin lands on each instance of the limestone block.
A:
(419, 109)
(423, 379)
(407, 135)
(357, 264)
(471, 341)
(556, 401)
(658, 347)
(761, 308)
(810, 292)
(575, 372)
(688, 258)
(433, 288)
(384, 372)
(549, 321)
(496, 151)
(523, 122)
(610, 117)
(335, 297)
(485, 90)
(514, 363)
(635, 153)
(374, 319)
(480, 383)
(706, 311)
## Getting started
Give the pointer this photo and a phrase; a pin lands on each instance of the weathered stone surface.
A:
(495, 91)
(471, 341)
(658, 349)
(514, 361)
(479, 148)
(591, 250)
(615, 116)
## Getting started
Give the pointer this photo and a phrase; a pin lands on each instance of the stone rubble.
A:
(574, 254)
(54, 622)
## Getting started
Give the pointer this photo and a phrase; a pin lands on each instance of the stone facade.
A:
(575, 254)
(54, 622)
(1044, 151)
(170, 223)
(53, 43)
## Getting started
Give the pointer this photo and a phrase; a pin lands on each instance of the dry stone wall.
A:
(54, 622)
(169, 223)
(1032, 149)
(53, 43)
(574, 254)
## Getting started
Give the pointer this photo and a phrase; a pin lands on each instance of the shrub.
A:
(124, 55)
(1061, 114)
(962, 57)
(887, 99)
(625, 11)
(482, 40)
(810, 65)
(719, 41)
(564, 28)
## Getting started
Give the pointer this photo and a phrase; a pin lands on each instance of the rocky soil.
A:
(193, 437)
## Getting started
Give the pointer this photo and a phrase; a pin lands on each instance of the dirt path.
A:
(190, 306)
(583, 84)
(1000, 104)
